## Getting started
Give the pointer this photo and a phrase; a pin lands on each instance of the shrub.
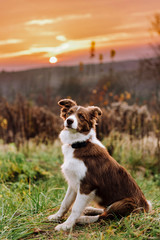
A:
(21, 121)
(134, 120)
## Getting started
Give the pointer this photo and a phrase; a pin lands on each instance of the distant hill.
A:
(53, 76)
(32, 82)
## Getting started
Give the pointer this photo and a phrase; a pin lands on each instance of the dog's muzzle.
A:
(69, 122)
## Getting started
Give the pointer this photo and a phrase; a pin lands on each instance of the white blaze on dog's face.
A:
(81, 119)
(71, 122)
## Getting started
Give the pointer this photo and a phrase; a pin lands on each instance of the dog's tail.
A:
(124, 207)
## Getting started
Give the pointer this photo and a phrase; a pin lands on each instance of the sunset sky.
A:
(32, 31)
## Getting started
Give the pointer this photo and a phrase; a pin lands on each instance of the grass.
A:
(32, 187)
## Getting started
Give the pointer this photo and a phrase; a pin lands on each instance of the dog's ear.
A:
(68, 103)
(65, 105)
(95, 112)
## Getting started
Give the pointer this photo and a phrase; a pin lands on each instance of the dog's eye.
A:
(69, 113)
(81, 117)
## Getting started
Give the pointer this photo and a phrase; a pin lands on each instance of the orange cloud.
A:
(42, 22)
(10, 41)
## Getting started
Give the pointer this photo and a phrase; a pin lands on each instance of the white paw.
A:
(91, 211)
(54, 217)
(88, 210)
(64, 226)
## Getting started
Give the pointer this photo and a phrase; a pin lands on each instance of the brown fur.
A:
(112, 183)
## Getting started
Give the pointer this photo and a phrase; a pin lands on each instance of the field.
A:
(32, 187)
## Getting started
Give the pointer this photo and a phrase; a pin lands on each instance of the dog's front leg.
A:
(80, 203)
(66, 203)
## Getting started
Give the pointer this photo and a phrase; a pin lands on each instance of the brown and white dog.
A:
(91, 173)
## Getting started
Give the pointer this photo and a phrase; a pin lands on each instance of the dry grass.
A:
(134, 120)
(21, 121)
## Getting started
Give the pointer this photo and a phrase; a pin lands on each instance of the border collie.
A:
(92, 174)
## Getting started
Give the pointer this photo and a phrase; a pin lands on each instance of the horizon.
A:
(32, 32)
(28, 68)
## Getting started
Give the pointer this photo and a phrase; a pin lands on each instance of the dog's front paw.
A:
(64, 226)
(55, 217)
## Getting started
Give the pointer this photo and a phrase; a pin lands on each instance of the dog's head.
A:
(81, 119)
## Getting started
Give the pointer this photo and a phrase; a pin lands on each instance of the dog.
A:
(92, 174)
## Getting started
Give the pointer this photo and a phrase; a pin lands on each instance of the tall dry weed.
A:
(134, 120)
(21, 121)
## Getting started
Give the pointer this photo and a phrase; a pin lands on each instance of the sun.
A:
(53, 60)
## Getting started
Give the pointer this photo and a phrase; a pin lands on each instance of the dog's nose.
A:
(69, 121)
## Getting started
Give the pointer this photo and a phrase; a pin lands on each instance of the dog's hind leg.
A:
(87, 219)
(91, 211)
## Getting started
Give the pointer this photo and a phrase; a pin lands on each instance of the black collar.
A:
(79, 144)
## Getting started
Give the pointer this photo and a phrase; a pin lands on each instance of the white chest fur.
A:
(73, 169)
